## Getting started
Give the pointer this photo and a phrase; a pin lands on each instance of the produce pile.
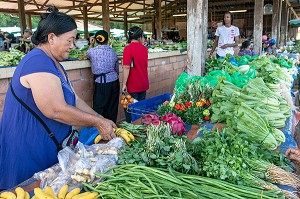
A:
(198, 168)
(11, 58)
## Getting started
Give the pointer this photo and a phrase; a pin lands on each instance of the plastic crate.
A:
(147, 106)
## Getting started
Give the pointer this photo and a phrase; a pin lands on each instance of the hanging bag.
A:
(70, 140)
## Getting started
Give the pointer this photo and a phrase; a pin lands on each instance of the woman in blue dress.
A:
(42, 84)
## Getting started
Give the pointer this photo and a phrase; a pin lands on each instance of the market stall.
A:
(235, 117)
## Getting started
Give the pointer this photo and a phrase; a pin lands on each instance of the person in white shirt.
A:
(227, 37)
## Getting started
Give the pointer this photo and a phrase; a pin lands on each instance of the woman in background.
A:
(246, 49)
(105, 67)
(135, 67)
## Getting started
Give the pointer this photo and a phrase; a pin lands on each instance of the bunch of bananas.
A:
(126, 135)
(63, 193)
(49, 194)
(20, 194)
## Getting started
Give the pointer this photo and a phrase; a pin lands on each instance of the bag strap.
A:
(51, 135)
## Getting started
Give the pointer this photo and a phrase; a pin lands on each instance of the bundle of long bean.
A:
(133, 181)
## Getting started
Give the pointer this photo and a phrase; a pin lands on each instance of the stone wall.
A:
(163, 73)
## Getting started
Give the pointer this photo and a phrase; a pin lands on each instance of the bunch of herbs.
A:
(160, 149)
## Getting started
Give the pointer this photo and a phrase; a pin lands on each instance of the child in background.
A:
(272, 47)
(246, 49)
(265, 45)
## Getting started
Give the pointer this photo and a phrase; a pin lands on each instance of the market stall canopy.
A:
(139, 11)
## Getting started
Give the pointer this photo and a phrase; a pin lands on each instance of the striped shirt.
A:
(104, 60)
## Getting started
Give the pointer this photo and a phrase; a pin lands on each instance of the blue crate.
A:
(147, 106)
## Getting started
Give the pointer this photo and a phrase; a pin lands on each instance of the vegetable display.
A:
(133, 181)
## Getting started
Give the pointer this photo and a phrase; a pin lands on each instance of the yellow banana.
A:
(72, 193)
(8, 195)
(50, 192)
(128, 134)
(97, 139)
(120, 131)
(20, 193)
(126, 138)
(34, 197)
(63, 192)
(27, 196)
(39, 194)
(89, 196)
(81, 195)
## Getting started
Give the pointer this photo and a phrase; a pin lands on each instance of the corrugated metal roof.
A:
(74, 7)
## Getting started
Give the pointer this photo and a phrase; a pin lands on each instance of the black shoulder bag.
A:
(58, 145)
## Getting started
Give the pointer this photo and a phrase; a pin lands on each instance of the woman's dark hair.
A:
(135, 33)
(245, 45)
(231, 17)
(101, 37)
(55, 22)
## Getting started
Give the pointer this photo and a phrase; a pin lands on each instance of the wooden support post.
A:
(258, 25)
(153, 28)
(105, 15)
(125, 24)
(283, 29)
(22, 15)
(157, 5)
(197, 18)
(29, 22)
(85, 22)
(275, 19)
(279, 22)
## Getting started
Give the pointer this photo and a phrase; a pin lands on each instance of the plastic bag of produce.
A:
(213, 77)
(181, 83)
(48, 175)
(63, 179)
(251, 72)
(233, 61)
(67, 158)
(244, 60)
(239, 80)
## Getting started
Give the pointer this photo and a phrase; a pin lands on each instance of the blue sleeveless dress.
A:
(25, 146)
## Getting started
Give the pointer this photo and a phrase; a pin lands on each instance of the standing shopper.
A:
(40, 86)
(105, 67)
(227, 37)
(135, 67)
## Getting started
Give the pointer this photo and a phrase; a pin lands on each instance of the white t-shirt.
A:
(226, 36)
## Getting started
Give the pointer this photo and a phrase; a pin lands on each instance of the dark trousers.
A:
(139, 97)
(106, 99)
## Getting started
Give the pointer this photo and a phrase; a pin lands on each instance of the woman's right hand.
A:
(293, 155)
(106, 128)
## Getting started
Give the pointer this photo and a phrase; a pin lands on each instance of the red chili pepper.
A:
(207, 118)
(207, 103)
(177, 106)
(182, 107)
(188, 104)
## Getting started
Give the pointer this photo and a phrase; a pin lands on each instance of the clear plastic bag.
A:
(48, 175)
(80, 165)
(111, 148)
(66, 158)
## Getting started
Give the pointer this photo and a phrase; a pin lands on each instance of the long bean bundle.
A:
(134, 181)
